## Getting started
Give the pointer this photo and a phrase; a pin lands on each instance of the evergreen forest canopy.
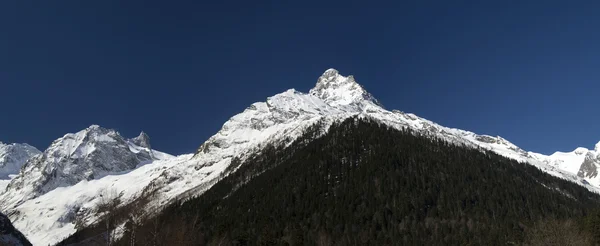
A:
(364, 183)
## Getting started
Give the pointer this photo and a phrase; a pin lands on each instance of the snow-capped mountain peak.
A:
(82, 143)
(337, 90)
(94, 155)
(89, 154)
(94, 126)
(277, 121)
(143, 140)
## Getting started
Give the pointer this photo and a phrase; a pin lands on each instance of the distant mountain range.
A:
(51, 194)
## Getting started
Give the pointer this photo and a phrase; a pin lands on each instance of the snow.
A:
(284, 116)
(3, 184)
(279, 121)
(39, 218)
(339, 91)
(104, 138)
(13, 157)
(45, 196)
(570, 161)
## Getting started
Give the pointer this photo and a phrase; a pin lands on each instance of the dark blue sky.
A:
(178, 70)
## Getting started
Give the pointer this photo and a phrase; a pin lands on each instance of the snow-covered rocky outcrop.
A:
(46, 193)
(143, 140)
(63, 183)
(86, 155)
(590, 166)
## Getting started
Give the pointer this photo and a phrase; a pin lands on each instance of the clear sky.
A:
(529, 72)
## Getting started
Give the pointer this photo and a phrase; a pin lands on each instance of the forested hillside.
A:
(367, 184)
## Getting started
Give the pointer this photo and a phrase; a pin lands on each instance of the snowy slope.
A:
(278, 121)
(13, 157)
(568, 161)
(88, 154)
(49, 218)
(42, 199)
(283, 117)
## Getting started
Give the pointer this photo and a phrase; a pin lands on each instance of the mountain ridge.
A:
(389, 182)
(73, 163)
(278, 121)
(88, 154)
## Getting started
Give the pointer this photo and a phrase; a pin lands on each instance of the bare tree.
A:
(135, 218)
(154, 206)
(108, 203)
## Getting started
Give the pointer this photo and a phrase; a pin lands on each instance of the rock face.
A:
(9, 235)
(143, 140)
(591, 164)
(88, 154)
(13, 157)
(337, 90)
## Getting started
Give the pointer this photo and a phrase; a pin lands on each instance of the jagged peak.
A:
(332, 77)
(331, 71)
(93, 133)
(143, 135)
(337, 89)
(94, 127)
(597, 147)
(142, 140)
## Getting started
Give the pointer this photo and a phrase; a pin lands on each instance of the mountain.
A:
(285, 116)
(9, 235)
(86, 155)
(74, 169)
(364, 183)
(70, 174)
(143, 140)
(13, 156)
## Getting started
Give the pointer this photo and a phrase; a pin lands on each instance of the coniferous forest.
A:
(364, 183)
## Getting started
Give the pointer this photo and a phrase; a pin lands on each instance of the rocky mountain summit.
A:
(143, 140)
(86, 155)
